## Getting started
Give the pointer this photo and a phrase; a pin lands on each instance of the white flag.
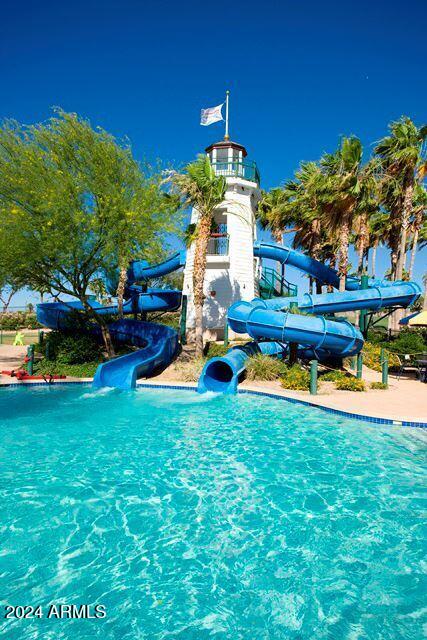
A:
(211, 115)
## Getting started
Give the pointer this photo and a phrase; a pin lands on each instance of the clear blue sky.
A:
(300, 73)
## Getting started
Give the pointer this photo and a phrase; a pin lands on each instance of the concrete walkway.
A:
(11, 357)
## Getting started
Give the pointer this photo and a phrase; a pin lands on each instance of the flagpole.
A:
(226, 137)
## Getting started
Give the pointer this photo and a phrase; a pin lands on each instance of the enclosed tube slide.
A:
(316, 335)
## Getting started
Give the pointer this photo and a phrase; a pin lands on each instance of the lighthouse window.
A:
(222, 155)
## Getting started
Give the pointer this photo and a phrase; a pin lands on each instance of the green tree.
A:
(345, 193)
(400, 154)
(201, 188)
(64, 189)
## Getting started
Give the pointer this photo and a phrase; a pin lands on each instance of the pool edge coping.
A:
(266, 393)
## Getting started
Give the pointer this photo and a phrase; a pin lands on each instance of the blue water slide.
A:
(141, 271)
(157, 344)
(396, 294)
(315, 335)
(222, 374)
(314, 268)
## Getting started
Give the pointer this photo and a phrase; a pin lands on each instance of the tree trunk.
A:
(417, 225)
(343, 257)
(374, 259)
(406, 215)
(362, 242)
(425, 293)
(123, 276)
(105, 332)
(199, 270)
(413, 253)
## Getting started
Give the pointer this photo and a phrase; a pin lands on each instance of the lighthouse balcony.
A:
(245, 169)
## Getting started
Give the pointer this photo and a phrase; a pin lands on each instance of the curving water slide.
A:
(158, 343)
(273, 326)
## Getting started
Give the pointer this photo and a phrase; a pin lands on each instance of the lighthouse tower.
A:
(231, 267)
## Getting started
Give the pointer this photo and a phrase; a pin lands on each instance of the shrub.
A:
(215, 350)
(376, 336)
(14, 320)
(408, 341)
(350, 384)
(190, 371)
(372, 356)
(333, 376)
(296, 378)
(72, 349)
(46, 367)
(378, 385)
(261, 367)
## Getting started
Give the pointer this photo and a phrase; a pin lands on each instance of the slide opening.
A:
(218, 376)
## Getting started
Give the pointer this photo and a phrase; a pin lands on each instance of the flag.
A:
(211, 115)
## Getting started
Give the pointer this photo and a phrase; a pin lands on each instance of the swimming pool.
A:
(193, 517)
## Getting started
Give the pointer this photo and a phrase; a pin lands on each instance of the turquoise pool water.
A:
(192, 517)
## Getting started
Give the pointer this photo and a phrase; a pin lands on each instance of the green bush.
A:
(14, 320)
(372, 356)
(47, 367)
(72, 349)
(296, 378)
(408, 341)
(333, 376)
(215, 350)
(377, 336)
(261, 367)
(350, 384)
(378, 385)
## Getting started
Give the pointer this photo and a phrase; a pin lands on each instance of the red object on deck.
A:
(21, 374)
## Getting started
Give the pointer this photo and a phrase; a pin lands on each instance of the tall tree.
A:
(202, 189)
(63, 188)
(346, 190)
(419, 212)
(400, 154)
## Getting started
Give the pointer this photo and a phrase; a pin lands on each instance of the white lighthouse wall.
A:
(232, 277)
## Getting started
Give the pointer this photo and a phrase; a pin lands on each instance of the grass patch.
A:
(215, 350)
(190, 371)
(261, 367)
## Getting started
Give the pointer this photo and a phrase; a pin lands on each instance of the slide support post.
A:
(363, 324)
(183, 320)
(313, 377)
(226, 334)
(293, 347)
(384, 366)
(359, 365)
(30, 356)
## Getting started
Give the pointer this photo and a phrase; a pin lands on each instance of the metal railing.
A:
(218, 244)
(272, 284)
(238, 169)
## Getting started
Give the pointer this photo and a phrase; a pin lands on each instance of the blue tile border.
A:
(339, 412)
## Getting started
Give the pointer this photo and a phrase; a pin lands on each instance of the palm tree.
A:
(399, 154)
(345, 192)
(425, 292)
(419, 217)
(202, 189)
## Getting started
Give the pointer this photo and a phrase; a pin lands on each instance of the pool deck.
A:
(404, 401)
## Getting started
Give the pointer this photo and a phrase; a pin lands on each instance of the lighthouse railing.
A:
(247, 170)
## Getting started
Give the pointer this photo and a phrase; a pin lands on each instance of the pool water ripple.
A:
(193, 517)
